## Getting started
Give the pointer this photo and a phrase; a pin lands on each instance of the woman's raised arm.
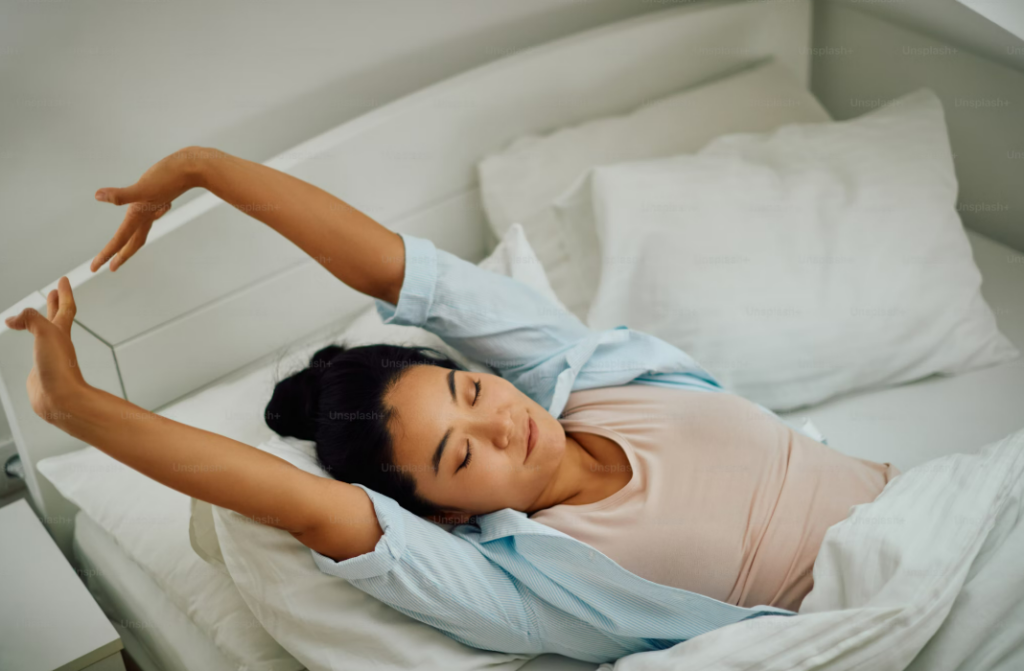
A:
(218, 469)
(193, 461)
(356, 249)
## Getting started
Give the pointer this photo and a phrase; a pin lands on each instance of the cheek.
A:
(490, 481)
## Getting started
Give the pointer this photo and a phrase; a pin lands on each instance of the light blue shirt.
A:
(509, 583)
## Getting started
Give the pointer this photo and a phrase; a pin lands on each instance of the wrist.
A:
(67, 404)
(197, 163)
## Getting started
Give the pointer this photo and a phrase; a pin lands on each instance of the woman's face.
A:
(490, 423)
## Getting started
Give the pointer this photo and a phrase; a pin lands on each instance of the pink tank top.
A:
(725, 500)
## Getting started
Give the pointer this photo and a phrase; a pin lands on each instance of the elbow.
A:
(344, 524)
(395, 277)
(339, 546)
(391, 294)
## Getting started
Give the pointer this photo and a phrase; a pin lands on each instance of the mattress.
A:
(905, 425)
(156, 634)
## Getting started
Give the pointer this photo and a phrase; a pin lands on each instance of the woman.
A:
(704, 508)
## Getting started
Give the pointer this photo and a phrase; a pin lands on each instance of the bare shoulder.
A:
(344, 524)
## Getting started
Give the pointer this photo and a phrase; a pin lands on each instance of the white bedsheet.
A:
(941, 544)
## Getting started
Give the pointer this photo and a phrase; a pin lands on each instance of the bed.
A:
(974, 407)
(184, 317)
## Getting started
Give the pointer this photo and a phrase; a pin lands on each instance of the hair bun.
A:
(295, 404)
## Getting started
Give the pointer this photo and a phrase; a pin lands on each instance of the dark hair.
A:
(338, 402)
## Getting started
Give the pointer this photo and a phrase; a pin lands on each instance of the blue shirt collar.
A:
(502, 523)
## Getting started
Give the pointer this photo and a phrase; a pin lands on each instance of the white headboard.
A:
(213, 289)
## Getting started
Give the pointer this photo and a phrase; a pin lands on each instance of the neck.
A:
(572, 478)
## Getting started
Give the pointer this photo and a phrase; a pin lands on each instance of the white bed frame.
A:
(213, 290)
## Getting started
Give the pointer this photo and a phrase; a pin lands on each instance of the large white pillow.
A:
(322, 620)
(799, 264)
(521, 182)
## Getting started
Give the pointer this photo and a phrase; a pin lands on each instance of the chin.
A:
(553, 435)
(551, 444)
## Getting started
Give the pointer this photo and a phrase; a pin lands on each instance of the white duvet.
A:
(928, 576)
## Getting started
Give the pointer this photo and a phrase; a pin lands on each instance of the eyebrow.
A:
(439, 452)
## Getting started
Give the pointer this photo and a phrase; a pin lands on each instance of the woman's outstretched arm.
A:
(193, 461)
(356, 249)
(212, 467)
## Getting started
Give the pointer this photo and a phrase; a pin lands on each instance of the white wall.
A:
(91, 95)
(948, 21)
(861, 59)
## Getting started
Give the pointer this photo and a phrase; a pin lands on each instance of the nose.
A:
(499, 428)
(506, 427)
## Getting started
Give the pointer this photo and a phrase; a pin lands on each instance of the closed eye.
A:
(465, 462)
(469, 452)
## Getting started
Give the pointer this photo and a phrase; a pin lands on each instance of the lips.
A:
(531, 436)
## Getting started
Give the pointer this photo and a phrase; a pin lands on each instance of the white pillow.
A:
(803, 263)
(322, 620)
(521, 182)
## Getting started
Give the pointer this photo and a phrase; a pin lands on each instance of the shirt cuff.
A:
(417, 294)
(385, 554)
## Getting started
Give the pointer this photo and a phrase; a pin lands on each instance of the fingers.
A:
(136, 241)
(133, 218)
(139, 218)
(60, 308)
(52, 302)
(26, 320)
(116, 196)
(121, 237)
(163, 210)
(66, 309)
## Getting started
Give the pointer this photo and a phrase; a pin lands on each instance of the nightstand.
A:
(48, 619)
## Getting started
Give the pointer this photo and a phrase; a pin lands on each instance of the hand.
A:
(148, 200)
(55, 373)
